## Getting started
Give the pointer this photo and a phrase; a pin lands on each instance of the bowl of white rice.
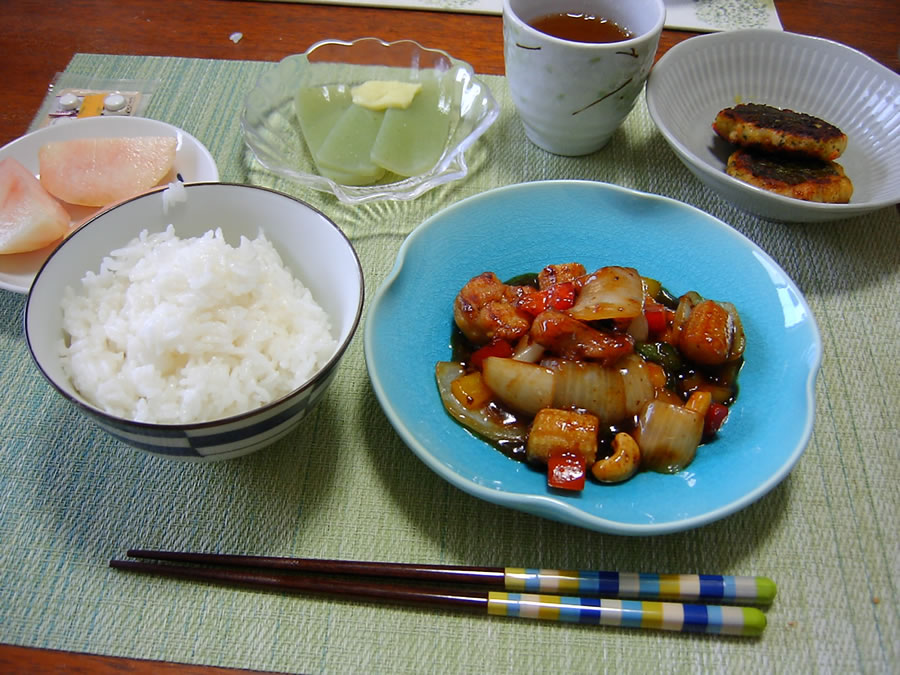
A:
(200, 321)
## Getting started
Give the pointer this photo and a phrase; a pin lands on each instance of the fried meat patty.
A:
(813, 180)
(764, 127)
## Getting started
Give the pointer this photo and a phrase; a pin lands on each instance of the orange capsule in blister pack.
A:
(91, 105)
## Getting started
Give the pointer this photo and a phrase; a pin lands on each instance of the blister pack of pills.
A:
(72, 97)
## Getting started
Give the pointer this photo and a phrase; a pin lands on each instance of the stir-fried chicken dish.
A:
(591, 375)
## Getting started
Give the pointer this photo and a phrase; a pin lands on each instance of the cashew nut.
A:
(622, 464)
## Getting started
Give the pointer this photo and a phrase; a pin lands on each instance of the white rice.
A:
(188, 330)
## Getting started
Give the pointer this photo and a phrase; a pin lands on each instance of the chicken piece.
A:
(554, 430)
(812, 180)
(485, 308)
(707, 334)
(576, 341)
(763, 127)
(559, 274)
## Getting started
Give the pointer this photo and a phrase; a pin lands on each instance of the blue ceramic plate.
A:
(521, 228)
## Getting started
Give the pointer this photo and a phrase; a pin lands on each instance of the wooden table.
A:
(39, 38)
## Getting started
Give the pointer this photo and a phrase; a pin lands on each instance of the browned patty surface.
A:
(764, 127)
(812, 180)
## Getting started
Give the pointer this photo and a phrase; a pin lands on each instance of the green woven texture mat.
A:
(345, 486)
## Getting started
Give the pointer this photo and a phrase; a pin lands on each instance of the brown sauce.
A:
(580, 27)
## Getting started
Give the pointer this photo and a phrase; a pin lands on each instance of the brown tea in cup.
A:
(580, 27)
(572, 94)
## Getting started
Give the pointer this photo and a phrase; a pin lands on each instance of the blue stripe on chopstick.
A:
(632, 613)
(696, 618)
(649, 585)
(573, 610)
(607, 583)
(712, 586)
(729, 590)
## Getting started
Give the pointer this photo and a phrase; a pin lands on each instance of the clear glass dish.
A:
(272, 131)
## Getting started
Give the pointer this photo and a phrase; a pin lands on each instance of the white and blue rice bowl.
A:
(311, 246)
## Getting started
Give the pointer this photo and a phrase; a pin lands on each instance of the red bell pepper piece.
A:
(533, 303)
(566, 470)
(559, 297)
(498, 347)
(657, 317)
(562, 296)
(715, 417)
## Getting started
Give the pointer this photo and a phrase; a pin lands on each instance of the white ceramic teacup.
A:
(572, 96)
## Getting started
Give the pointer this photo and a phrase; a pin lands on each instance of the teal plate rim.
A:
(523, 227)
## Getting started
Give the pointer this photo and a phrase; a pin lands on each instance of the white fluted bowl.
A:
(699, 77)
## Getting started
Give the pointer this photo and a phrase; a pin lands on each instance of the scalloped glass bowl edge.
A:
(274, 138)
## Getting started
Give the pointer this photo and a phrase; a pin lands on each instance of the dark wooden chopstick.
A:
(675, 587)
(282, 574)
(489, 576)
(314, 585)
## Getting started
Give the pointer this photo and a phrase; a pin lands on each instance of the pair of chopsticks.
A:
(653, 601)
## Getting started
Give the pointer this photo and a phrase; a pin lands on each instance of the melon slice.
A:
(348, 145)
(101, 171)
(29, 217)
(411, 141)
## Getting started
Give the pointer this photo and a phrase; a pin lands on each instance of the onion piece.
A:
(639, 329)
(610, 293)
(591, 387)
(738, 339)
(639, 389)
(523, 387)
(484, 422)
(652, 287)
(686, 304)
(668, 436)
(528, 350)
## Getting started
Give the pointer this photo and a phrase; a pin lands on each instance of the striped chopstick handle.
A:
(680, 587)
(715, 619)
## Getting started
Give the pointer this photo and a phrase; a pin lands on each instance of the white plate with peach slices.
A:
(88, 165)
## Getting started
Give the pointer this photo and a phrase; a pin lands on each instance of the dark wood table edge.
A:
(21, 659)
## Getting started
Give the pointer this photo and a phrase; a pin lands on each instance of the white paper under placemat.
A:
(707, 16)
(696, 15)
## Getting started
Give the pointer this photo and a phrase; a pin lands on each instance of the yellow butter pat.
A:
(384, 94)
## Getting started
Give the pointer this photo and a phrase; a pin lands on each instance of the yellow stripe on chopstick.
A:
(670, 585)
(515, 578)
(653, 615)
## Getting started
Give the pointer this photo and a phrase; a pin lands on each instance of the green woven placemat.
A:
(345, 486)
